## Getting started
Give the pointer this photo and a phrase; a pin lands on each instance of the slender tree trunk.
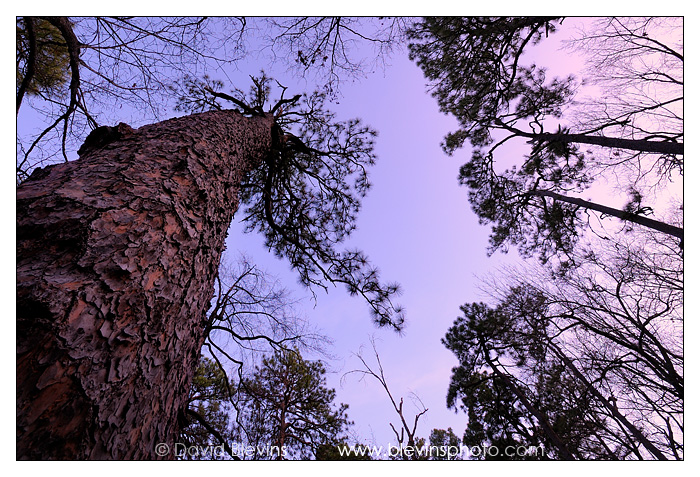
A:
(117, 253)
(31, 60)
(640, 145)
(641, 438)
(620, 214)
(541, 418)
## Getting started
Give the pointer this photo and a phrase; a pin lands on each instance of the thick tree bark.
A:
(117, 253)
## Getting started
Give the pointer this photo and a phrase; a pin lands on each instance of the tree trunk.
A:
(117, 253)
(640, 145)
(554, 438)
(620, 214)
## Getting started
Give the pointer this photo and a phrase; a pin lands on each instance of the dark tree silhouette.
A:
(478, 73)
(407, 439)
(206, 428)
(598, 351)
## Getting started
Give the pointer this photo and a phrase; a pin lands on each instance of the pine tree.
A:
(479, 72)
(287, 412)
(118, 251)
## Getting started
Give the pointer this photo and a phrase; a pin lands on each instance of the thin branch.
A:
(213, 432)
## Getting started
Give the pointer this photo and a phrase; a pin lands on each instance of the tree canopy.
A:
(306, 196)
(286, 411)
(593, 357)
(548, 363)
(478, 72)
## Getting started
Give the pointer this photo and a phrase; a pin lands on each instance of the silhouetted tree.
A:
(407, 439)
(251, 315)
(597, 351)
(445, 445)
(328, 47)
(478, 73)
(207, 417)
(502, 411)
(42, 58)
(348, 453)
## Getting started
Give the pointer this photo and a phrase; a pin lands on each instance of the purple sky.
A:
(417, 227)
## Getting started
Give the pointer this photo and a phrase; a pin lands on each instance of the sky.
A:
(416, 226)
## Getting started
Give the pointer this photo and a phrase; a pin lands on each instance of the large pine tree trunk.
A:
(116, 258)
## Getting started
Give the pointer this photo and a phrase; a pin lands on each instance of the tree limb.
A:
(213, 432)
